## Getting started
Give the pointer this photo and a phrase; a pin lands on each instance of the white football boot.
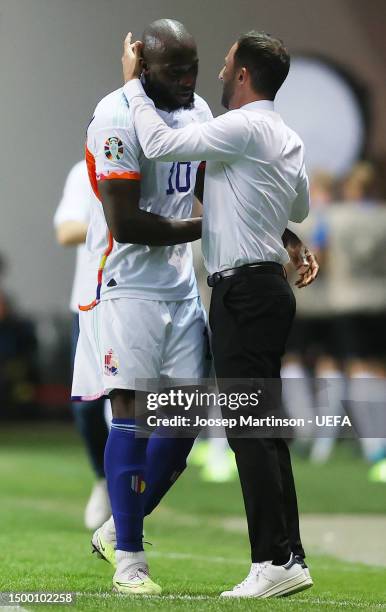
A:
(132, 575)
(98, 507)
(104, 542)
(266, 580)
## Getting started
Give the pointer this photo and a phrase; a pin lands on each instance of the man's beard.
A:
(227, 93)
(162, 98)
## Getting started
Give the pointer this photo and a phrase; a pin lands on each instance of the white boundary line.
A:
(180, 597)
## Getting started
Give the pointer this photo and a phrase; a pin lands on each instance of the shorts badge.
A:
(111, 363)
(114, 148)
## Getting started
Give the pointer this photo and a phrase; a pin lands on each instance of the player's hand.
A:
(132, 59)
(305, 263)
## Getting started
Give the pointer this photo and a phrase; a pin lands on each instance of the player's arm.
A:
(197, 208)
(71, 233)
(200, 180)
(301, 258)
(129, 224)
(113, 161)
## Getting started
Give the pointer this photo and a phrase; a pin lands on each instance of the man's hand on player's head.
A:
(132, 59)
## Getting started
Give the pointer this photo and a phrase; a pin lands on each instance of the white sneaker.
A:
(306, 571)
(132, 575)
(98, 507)
(272, 581)
(248, 587)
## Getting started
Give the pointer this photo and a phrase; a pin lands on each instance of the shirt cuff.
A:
(133, 88)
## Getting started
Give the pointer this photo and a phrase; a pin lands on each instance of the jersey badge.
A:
(114, 148)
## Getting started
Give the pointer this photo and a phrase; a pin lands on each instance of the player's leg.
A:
(91, 424)
(125, 463)
(166, 460)
(186, 356)
(123, 338)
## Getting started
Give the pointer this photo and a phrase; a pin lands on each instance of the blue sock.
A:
(165, 461)
(125, 459)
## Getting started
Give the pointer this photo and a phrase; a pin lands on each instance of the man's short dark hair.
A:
(266, 59)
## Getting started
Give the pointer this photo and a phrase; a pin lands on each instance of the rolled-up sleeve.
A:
(223, 139)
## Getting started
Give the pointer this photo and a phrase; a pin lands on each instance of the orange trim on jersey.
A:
(102, 264)
(88, 306)
(120, 174)
(90, 161)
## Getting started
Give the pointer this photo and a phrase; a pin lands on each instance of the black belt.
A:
(262, 267)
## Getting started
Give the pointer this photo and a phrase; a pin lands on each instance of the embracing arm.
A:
(129, 224)
(221, 139)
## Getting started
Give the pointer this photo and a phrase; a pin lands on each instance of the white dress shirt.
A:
(255, 178)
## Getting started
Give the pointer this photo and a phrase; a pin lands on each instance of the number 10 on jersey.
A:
(179, 175)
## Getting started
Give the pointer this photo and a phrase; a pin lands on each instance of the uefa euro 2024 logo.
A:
(114, 148)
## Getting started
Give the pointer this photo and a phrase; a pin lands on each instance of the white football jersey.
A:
(75, 205)
(113, 152)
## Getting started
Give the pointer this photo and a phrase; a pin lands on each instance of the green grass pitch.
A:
(45, 481)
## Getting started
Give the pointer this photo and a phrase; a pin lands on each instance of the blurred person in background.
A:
(18, 358)
(360, 185)
(357, 269)
(71, 223)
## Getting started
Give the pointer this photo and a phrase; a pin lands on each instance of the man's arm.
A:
(71, 233)
(129, 224)
(224, 138)
(301, 204)
(221, 139)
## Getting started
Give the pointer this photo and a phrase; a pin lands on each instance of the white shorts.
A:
(125, 341)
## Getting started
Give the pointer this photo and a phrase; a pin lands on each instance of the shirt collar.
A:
(259, 105)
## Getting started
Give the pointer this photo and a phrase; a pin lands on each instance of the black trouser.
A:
(250, 318)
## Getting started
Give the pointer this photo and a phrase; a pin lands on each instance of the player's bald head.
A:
(170, 64)
(165, 37)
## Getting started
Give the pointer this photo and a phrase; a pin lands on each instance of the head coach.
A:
(255, 182)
